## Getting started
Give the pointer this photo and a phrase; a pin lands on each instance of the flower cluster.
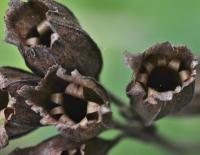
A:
(63, 88)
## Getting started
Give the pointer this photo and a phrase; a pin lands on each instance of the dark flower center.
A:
(4, 99)
(72, 109)
(35, 38)
(162, 75)
(75, 108)
(163, 79)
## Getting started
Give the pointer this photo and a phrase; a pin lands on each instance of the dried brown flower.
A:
(16, 118)
(77, 105)
(47, 33)
(164, 80)
(59, 145)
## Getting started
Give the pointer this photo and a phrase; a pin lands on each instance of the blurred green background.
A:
(118, 26)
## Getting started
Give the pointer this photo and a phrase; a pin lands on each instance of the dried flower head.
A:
(164, 80)
(16, 118)
(77, 105)
(47, 33)
(59, 145)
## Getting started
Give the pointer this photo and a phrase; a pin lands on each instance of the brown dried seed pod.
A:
(59, 145)
(16, 117)
(77, 105)
(169, 84)
(47, 33)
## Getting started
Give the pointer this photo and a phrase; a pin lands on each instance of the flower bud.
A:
(47, 33)
(16, 118)
(77, 105)
(164, 80)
